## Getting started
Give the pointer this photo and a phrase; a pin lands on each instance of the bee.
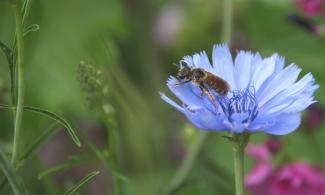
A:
(203, 79)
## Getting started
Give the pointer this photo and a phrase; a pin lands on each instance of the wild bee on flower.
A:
(253, 94)
(203, 79)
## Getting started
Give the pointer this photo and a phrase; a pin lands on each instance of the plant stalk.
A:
(239, 169)
(113, 161)
(20, 83)
(227, 15)
(240, 142)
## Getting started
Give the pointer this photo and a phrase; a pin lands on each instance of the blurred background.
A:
(128, 47)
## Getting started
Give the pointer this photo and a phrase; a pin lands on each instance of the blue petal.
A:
(201, 60)
(198, 116)
(303, 101)
(263, 71)
(189, 61)
(279, 64)
(204, 119)
(285, 100)
(281, 81)
(171, 102)
(284, 124)
(184, 92)
(243, 69)
(257, 58)
(223, 64)
(260, 125)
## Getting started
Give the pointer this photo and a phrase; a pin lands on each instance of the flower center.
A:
(241, 107)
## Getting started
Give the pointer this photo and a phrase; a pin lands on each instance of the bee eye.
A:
(183, 64)
(183, 73)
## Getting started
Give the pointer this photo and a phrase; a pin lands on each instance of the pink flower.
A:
(258, 152)
(298, 179)
(292, 179)
(258, 180)
(310, 7)
(273, 145)
(264, 152)
(315, 116)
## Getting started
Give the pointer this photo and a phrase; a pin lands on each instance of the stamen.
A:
(241, 107)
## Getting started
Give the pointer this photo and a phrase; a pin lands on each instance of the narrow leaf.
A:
(229, 138)
(120, 176)
(105, 157)
(82, 183)
(38, 141)
(12, 176)
(10, 59)
(5, 106)
(53, 116)
(8, 53)
(31, 28)
(25, 9)
(71, 162)
(58, 119)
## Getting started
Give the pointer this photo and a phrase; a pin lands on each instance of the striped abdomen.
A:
(218, 84)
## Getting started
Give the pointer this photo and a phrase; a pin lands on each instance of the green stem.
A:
(239, 170)
(188, 162)
(239, 144)
(20, 82)
(113, 161)
(227, 21)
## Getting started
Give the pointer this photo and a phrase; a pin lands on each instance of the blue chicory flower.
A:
(264, 95)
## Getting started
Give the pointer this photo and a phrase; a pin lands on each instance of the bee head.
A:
(184, 71)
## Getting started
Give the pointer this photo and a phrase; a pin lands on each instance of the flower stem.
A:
(227, 21)
(240, 141)
(239, 170)
(20, 82)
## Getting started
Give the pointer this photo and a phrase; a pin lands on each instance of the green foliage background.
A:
(119, 37)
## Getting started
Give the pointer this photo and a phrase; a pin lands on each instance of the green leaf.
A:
(120, 176)
(4, 106)
(51, 115)
(105, 157)
(229, 138)
(31, 28)
(71, 162)
(25, 9)
(8, 53)
(14, 179)
(37, 142)
(58, 119)
(81, 183)
(10, 59)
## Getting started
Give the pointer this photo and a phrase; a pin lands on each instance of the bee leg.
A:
(207, 91)
(202, 91)
(181, 83)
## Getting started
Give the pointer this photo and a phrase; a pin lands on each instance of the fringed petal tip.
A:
(171, 102)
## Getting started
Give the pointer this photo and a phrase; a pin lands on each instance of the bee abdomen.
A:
(218, 84)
